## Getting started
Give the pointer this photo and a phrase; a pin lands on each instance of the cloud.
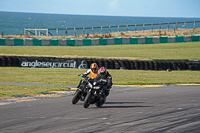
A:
(113, 4)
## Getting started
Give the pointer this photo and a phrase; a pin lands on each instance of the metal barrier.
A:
(97, 41)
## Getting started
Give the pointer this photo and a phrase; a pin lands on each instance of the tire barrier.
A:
(97, 41)
(54, 62)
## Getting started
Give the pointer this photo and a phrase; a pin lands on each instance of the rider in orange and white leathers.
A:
(93, 71)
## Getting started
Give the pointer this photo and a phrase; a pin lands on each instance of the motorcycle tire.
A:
(86, 103)
(76, 97)
(100, 102)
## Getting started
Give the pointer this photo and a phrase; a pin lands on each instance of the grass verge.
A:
(69, 76)
(187, 50)
(8, 90)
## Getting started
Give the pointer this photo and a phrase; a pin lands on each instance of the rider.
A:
(93, 71)
(104, 75)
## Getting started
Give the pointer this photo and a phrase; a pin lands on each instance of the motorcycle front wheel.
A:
(76, 97)
(86, 103)
(100, 102)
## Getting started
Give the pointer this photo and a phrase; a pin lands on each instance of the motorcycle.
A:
(82, 90)
(96, 95)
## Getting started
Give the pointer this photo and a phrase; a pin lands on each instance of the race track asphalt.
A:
(128, 109)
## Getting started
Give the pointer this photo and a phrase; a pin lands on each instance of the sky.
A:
(144, 8)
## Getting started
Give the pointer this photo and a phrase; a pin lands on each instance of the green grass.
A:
(134, 77)
(69, 76)
(188, 50)
(8, 90)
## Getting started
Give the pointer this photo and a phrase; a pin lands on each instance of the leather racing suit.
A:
(108, 79)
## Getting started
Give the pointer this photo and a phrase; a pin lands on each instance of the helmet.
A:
(94, 67)
(103, 71)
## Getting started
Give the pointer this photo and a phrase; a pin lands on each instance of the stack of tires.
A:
(146, 65)
(193, 65)
(170, 64)
(14, 61)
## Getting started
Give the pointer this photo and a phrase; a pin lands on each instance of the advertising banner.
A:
(52, 63)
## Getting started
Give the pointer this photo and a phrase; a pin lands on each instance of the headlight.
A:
(90, 85)
(97, 87)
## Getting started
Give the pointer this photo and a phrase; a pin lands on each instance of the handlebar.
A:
(83, 75)
(103, 80)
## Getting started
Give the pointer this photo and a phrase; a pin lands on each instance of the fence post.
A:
(92, 30)
(39, 33)
(74, 31)
(109, 29)
(168, 26)
(47, 32)
(135, 27)
(126, 27)
(101, 29)
(118, 28)
(83, 30)
(24, 31)
(66, 31)
(143, 27)
(29, 32)
(159, 26)
(57, 31)
(152, 27)
(184, 25)
(194, 24)
(35, 32)
(176, 25)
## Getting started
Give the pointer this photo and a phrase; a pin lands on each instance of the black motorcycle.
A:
(82, 90)
(96, 95)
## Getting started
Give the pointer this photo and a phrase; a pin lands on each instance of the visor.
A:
(93, 69)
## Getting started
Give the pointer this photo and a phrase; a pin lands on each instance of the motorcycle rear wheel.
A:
(86, 103)
(76, 97)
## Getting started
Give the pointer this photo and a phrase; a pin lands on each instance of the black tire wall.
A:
(14, 61)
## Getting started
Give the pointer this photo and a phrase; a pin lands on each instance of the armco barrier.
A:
(97, 41)
(54, 62)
